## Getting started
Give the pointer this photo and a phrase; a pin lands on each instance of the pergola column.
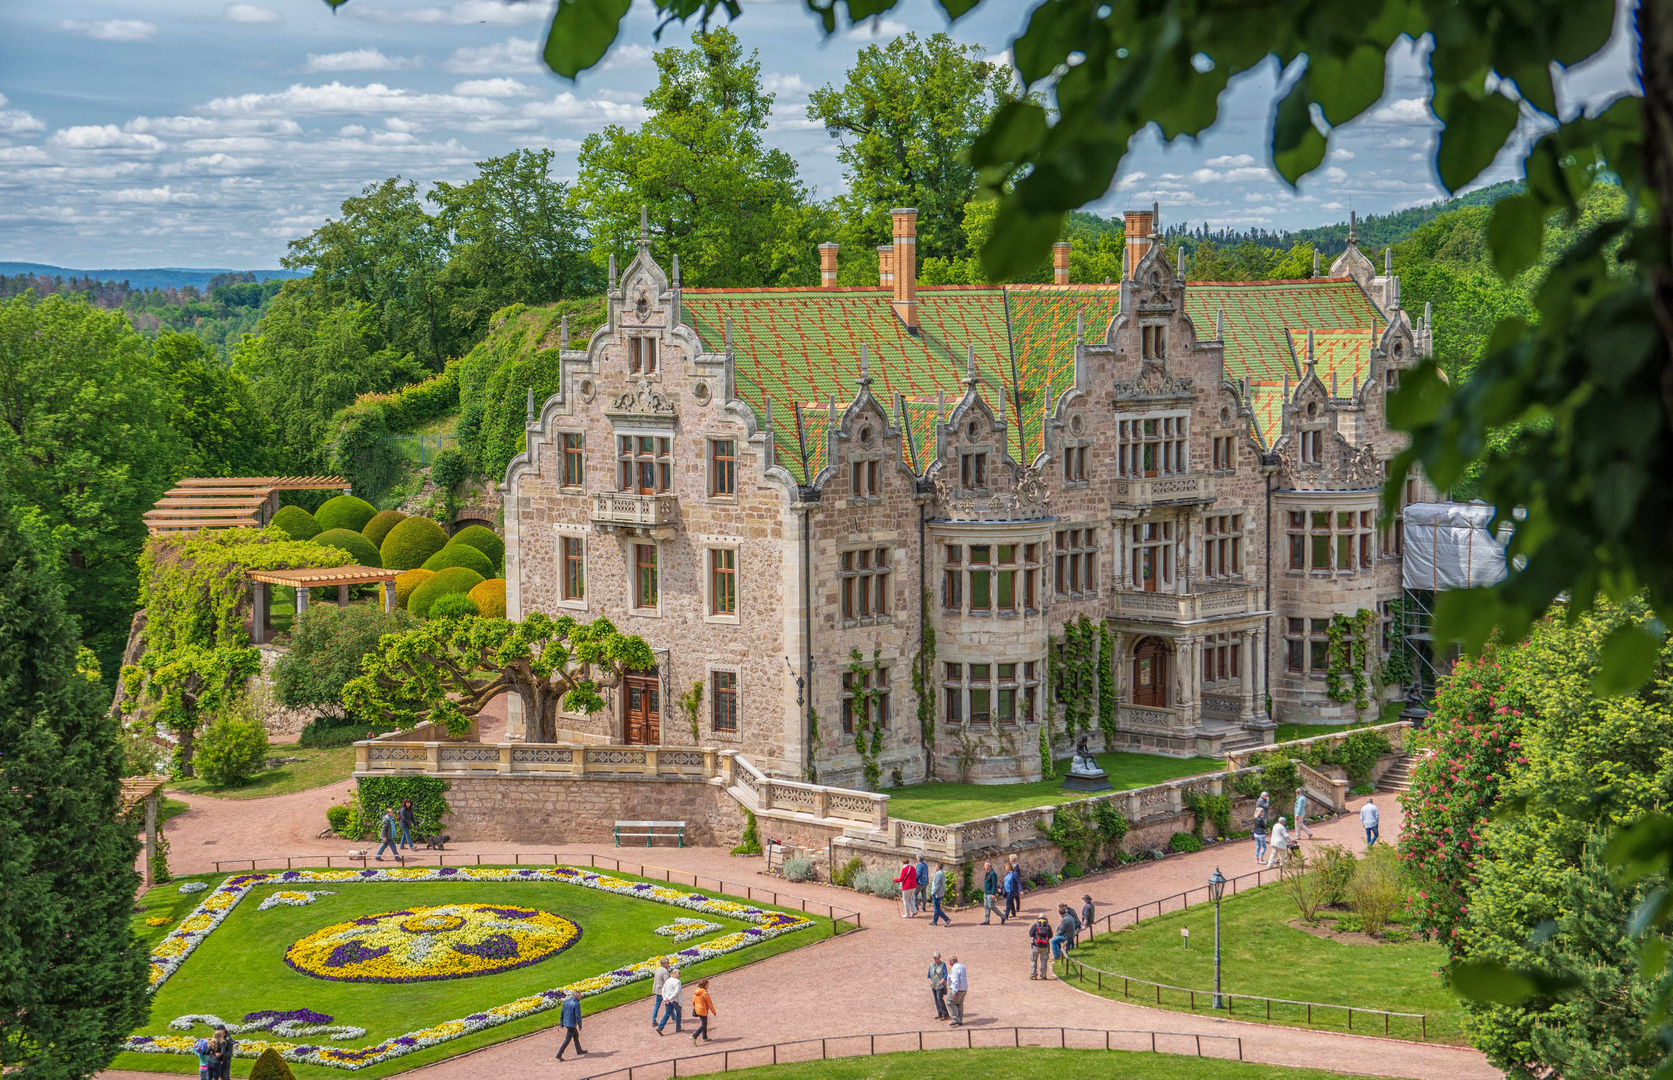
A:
(301, 600)
(389, 596)
(342, 596)
(260, 606)
(150, 835)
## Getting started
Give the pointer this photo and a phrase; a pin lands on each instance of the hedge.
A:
(352, 542)
(484, 540)
(428, 805)
(453, 606)
(379, 526)
(490, 598)
(406, 582)
(405, 409)
(411, 542)
(345, 512)
(455, 579)
(295, 522)
(460, 555)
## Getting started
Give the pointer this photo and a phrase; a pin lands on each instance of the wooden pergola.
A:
(313, 578)
(137, 789)
(228, 502)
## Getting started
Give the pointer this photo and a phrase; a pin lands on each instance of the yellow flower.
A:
(160, 920)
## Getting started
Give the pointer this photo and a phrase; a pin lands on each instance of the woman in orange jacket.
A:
(704, 1006)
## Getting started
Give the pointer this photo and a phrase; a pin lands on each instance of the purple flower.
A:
(477, 1016)
(492, 947)
(144, 1038)
(368, 873)
(447, 870)
(406, 1040)
(354, 952)
(512, 912)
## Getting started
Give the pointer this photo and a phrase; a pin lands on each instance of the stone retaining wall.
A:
(561, 809)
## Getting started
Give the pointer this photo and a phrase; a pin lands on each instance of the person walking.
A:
(907, 879)
(1263, 806)
(223, 1046)
(405, 820)
(386, 830)
(1280, 844)
(958, 984)
(938, 985)
(658, 978)
(1087, 914)
(1370, 819)
(1013, 891)
(921, 872)
(671, 1001)
(1039, 949)
(1301, 815)
(1258, 831)
(569, 1017)
(990, 891)
(937, 893)
(704, 1006)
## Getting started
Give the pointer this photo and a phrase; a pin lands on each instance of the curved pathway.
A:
(857, 984)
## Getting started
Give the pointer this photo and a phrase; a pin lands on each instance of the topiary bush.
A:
(407, 582)
(327, 645)
(460, 555)
(453, 606)
(337, 816)
(270, 1066)
(410, 543)
(1184, 841)
(379, 526)
(455, 579)
(232, 749)
(295, 523)
(490, 598)
(345, 512)
(358, 547)
(482, 539)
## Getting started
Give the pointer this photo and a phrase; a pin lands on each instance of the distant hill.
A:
(162, 277)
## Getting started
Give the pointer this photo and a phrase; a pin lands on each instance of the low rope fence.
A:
(1079, 970)
(894, 1042)
(844, 919)
(1130, 916)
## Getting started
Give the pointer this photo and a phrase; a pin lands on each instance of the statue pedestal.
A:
(1089, 782)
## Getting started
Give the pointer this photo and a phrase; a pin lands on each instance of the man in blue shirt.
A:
(569, 1016)
(922, 870)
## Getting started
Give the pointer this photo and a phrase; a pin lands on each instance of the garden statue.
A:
(1084, 773)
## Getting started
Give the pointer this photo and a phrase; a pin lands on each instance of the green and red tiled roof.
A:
(1260, 315)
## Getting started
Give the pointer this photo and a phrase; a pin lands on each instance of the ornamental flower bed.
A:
(487, 947)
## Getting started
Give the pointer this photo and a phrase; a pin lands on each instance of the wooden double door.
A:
(642, 705)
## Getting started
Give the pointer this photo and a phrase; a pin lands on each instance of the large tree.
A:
(85, 440)
(72, 976)
(906, 118)
(729, 206)
(215, 410)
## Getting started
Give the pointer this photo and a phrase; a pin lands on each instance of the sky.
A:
(181, 133)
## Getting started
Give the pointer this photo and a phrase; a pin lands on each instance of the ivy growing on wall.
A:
(689, 703)
(1106, 685)
(1047, 768)
(811, 773)
(865, 692)
(1347, 679)
(1074, 674)
(426, 792)
(1215, 808)
(923, 680)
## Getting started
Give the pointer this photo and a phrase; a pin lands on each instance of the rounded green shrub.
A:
(1184, 841)
(460, 555)
(345, 512)
(359, 548)
(231, 750)
(455, 579)
(270, 1066)
(484, 540)
(337, 816)
(411, 542)
(379, 526)
(295, 522)
(407, 582)
(490, 598)
(453, 606)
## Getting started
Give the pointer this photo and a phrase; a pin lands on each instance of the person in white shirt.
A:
(958, 982)
(1370, 817)
(671, 1001)
(1279, 846)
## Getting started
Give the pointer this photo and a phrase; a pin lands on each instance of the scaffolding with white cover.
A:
(1448, 545)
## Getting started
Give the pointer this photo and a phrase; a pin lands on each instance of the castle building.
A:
(906, 531)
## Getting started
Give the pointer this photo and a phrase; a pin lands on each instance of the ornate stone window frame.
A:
(705, 546)
(564, 532)
(735, 732)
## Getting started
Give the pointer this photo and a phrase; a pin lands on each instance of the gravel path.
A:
(860, 983)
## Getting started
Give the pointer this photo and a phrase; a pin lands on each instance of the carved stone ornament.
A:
(645, 400)
(1153, 381)
(1362, 466)
(1025, 499)
(642, 301)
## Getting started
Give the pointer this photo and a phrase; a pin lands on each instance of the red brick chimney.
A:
(904, 266)
(1060, 262)
(827, 265)
(886, 265)
(1141, 226)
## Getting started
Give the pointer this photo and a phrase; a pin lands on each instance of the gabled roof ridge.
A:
(1189, 283)
(812, 289)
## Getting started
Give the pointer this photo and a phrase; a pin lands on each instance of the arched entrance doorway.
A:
(1150, 672)
(642, 708)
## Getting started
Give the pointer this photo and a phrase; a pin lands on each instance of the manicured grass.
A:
(318, 768)
(1261, 953)
(167, 808)
(1027, 1064)
(947, 803)
(161, 900)
(240, 967)
(1292, 732)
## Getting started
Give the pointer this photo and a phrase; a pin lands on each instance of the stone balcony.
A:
(1140, 493)
(638, 515)
(1206, 602)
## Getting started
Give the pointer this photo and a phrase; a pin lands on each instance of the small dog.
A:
(361, 854)
(437, 841)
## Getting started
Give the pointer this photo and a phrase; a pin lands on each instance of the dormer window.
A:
(1154, 342)
(1312, 443)
(641, 355)
(863, 478)
(973, 470)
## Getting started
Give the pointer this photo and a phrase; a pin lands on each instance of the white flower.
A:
(293, 898)
(194, 887)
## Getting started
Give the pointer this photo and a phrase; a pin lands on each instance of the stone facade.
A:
(1194, 468)
(547, 809)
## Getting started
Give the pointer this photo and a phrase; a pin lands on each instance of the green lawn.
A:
(1025, 1064)
(1262, 954)
(947, 803)
(318, 768)
(240, 967)
(1388, 714)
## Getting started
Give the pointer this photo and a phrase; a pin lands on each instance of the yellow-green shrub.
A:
(379, 526)
(407, 582)
(460, 555)
(482, 539)
(358, 547)
(295, 523)
(455, 579)
(490, 598)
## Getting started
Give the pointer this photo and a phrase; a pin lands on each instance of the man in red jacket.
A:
(907, 879)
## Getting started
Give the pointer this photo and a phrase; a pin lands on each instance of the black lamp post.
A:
(1217, 889)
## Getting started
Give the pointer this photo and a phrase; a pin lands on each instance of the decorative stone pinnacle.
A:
(1310, 360)
(865, 366)
(644, 227)
(676, 271)
(728, 333)
(1220, 322)
(1080, 327)
(612, 271)
(970, 376)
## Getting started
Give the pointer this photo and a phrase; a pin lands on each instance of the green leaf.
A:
(1015, 131)
(1476, 129)
(1422, 394)
(1627, 661)
(582, 32)
(1297, 145)
(1516, 234)
(956, 9)
(1490, 982)
(1346, 86)
(1020, 241)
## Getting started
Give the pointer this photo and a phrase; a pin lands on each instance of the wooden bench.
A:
(650, 830)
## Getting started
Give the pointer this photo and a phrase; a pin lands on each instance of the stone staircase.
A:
(1399, 777)
(1243, 740)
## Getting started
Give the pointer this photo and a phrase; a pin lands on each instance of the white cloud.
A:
(104, 137)
(17, 121)
(1335, 175)
(406, 127)
(1331, 206)
(1402, 112)
(209, 127)
(1230, 161)
(469, 12)
(21, 155)
(876, 29)
(152, 196)
(251, 15)
(111, 29)
(567, 106)
(512, 54)
(626, 56)
(361, 60)
(349, 131)
(334, 97)
(493, 88)
(1339, 154)
(789, 85)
